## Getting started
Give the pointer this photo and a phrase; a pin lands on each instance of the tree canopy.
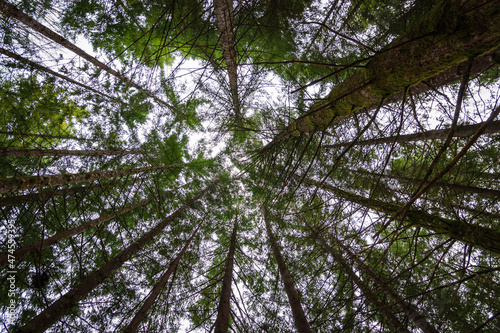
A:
(250, 166)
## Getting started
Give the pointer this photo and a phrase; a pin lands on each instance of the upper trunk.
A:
(460, 132)
(299, 316)
(459, 187)
(141, 314)
(222, 321)
(416, 317)
(486, 238)
(224, 17)
(433, 49)
(23, 252)
(45, 136)
(50, 71)
(44, 195)
(365, 289)
(25, 183)
(23, 152)
(56, 310)
(12, 11)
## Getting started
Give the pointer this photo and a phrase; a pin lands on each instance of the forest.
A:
(250, 166)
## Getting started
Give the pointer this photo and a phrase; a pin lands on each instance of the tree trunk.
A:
(365, 289)
(44, 195)
(22, 152)
(224, 17)
(460, 132)
(50, 71)
(477, 212)
(23, 252)
(465, 188)
(141, 314)
(24, 183)
(12, 11)
(46, 136)
(416, 317)
(293, 297)
(485, 238)
(455, 32)
(222, 321)
(56, 310)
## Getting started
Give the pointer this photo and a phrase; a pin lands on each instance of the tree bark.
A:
(485, 238)
(460, 132)
(465, 188)
(43, 195)
(299, 316)
(24, 183)
(453, 30)
(46, 136)
(365, 289)
(224, 18)
(416, 317)
(141, 314)
(22, 152)
(50, 71)
(23, 252)
(222, 321)
(56, 310)
(12, 11)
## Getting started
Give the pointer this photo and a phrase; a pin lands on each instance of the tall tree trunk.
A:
(460, 132)
(12, 11)
(141, 314)
(24, 183)
(50, 71)
(43, 195)
(46, 136)
(23, 252)
(299, 316)
(465, 188)
(222, 321)
(22, 152)
(416, 317)
(56, 310)
(476, 211)
(454, 30)
(485, 238)
(365, 289)
(224, 17)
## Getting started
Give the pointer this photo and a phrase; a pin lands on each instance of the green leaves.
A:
(36, 107)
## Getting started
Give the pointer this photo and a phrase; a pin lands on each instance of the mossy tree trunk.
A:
(453, 30)
(224, 18)
(475, 235)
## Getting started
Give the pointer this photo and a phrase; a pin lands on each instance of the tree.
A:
(298, 313)
(45, 319)
(274, 166)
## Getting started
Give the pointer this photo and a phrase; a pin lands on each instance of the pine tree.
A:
(274, 166)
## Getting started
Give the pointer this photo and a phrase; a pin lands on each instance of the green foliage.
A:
(33, 107)
(173, 48)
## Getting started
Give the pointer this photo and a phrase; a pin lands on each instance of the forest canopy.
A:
(250, 166)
